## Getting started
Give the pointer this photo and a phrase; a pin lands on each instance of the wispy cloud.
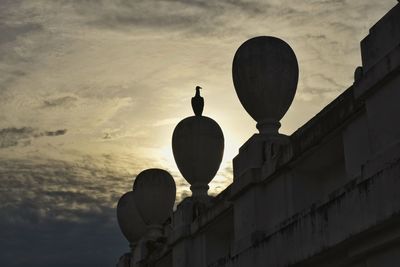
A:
(64, 101)
(14, 136)
(168, 121)
(46, 206)
(90, 93)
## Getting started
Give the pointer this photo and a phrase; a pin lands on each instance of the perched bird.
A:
(197, 102)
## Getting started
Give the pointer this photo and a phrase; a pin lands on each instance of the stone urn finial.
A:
(198, 147)
(265, 75)
(155, 192)
(129, 220)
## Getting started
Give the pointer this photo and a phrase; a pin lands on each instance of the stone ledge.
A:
(383, 70)
(359, 206)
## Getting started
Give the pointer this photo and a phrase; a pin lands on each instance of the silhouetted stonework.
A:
(328, 195)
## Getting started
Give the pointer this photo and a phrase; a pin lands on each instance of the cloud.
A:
(65, 101)
(56, 133)
(167, 121)
(119, 76)
(63, 213)
(10, 33)
(12, 136)
(59, 213)
(197, 17)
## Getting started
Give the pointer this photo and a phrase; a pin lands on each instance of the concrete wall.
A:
(328, 197)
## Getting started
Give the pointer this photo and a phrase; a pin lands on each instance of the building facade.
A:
(327, 195)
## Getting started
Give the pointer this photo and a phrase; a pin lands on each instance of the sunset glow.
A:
(91, 91)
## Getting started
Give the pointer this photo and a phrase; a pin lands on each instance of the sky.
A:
(91, 90)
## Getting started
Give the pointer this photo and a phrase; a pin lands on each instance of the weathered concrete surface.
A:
(360, 206)
(383, 37)
(327, 196)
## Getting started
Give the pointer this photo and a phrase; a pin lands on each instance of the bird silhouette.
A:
(197, 102)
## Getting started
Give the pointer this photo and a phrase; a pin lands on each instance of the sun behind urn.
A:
(198, 147)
